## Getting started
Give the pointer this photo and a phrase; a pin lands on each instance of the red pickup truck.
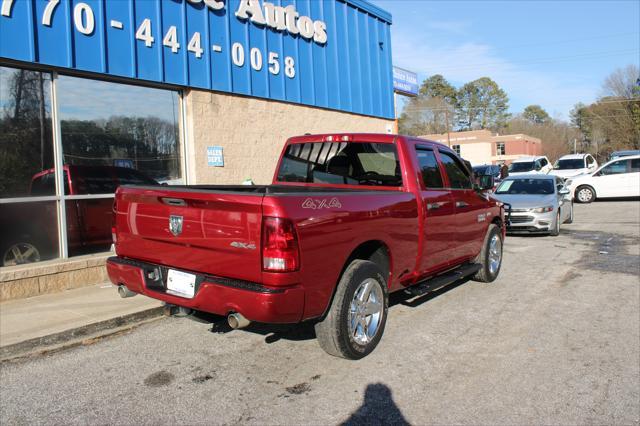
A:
(348, 219)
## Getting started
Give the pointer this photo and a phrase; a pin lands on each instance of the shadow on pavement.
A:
(305, 330)
(401, 298)
(378, 408)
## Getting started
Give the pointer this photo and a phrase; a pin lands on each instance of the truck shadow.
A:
(401, 298)
(305, 331)
(272, 332)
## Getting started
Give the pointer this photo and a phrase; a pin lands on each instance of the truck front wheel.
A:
(355, 321)
(490, 257)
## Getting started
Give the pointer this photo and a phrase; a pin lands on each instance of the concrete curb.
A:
(86, 334)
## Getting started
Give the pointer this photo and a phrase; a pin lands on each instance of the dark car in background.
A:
(487, 170)
(25, 228)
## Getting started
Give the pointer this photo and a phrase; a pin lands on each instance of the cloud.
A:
(463, 62)
(453, 27)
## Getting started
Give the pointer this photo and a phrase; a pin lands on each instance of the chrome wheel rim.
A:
(495, 254)
(365, 311)
(20, 253)
(584, 194)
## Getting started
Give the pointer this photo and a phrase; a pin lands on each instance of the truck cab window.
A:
(349, 163)
(458, 176)
(429, 169)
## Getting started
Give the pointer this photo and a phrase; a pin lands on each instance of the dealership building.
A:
(97, 93)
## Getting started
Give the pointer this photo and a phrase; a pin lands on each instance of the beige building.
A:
(483, 147)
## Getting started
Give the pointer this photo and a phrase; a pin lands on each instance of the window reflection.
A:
(114, 127)
(28, 230)
(112, 134)
(26, 146)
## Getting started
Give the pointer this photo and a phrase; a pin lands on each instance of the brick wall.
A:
(252, 133)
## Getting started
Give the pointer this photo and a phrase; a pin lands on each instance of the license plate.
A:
(181, 283)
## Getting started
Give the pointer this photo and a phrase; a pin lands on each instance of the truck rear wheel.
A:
(355, 321)
(490, 257)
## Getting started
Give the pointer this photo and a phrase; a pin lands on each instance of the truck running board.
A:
(440, 281)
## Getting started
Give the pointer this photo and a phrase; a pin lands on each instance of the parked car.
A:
(574, 164)
(618, 178)
(29, 232)
(526, 165)
(488, 170)
(348, 219)
(627, 153)
(539, 203)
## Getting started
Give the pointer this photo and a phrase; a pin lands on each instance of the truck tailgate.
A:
(213, 232)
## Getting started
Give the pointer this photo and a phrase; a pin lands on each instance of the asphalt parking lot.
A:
(555, 340)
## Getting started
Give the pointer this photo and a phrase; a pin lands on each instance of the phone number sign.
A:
(286, 50)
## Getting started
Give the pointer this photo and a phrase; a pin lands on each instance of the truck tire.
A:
(356, 318)
(490, 257)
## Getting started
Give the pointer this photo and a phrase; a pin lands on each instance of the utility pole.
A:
(574, 146)
(446, 118)
(395, 112)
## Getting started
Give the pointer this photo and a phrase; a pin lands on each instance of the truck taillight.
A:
(279, 245)
(114, 209)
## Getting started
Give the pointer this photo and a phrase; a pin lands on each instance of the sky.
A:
(546, 52)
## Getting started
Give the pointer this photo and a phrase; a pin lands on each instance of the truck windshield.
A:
(347, 163)
(569, 164)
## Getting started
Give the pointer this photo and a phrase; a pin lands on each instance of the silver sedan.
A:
(539, 203)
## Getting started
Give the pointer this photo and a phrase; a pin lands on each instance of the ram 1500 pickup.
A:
(348, 219)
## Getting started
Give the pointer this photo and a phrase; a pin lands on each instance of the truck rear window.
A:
(348, 163)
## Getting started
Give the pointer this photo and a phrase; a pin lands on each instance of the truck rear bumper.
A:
(216, 295)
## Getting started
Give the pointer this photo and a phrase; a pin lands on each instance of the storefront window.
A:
(28, 209)
(112, 134)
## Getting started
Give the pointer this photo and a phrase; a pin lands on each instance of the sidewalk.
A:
(51, 321)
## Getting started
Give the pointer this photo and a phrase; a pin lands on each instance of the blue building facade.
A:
(333, 54)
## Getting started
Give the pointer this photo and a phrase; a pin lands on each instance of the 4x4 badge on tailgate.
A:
(175, 225)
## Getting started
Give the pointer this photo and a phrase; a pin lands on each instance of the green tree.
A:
(432, 111)
(482, 104)
(437, 86)
(535, 114)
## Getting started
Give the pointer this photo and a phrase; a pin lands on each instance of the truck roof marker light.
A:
(328, 139)
(280, 252)
(345, 138)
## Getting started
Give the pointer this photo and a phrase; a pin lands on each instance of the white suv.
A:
(574, 165)
(617, 178)
(528, 165)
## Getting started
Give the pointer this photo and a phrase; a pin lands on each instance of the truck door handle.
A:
(461, 204)
(434, 206)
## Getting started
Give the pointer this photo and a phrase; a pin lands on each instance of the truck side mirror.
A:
(485, 182)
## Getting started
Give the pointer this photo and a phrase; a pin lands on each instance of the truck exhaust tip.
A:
(124, 292)
(237, 321)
